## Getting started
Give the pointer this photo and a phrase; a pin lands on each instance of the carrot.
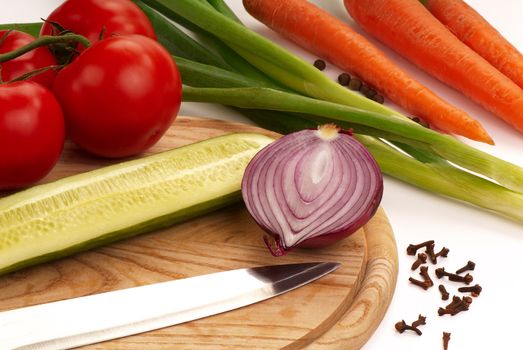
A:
(324, 35)
(410, 29)
(478, 34)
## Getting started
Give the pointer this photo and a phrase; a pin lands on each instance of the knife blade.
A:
(95, 318)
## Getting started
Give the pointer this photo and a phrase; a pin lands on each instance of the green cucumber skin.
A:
(144, 227)
(220, 200)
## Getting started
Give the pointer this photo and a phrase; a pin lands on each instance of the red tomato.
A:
(38, 58)
(32, 133)
(119, 96)
(92, 17)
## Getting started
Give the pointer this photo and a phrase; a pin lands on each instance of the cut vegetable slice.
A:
(101, 206)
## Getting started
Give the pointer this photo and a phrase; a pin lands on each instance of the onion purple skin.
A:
(293, 189)
(275, 246)
(331, 238)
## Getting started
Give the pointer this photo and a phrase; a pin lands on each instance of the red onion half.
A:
(312, 188)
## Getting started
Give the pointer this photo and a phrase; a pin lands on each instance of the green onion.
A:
(276, 62)
(183, 46)
(198, 74)
(225, 10)
(442, 178)
(180, 44)
(29, 28)
(271, 99)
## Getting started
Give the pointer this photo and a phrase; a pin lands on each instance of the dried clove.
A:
(456, 307)
(474, 290)
(422, 259)
(423, 284)
(434, 256)
(424, 272)
(440, 272)
(430, 251)
(442, 311)
(469, 267)
(455, 302)
(444, 293)
(446, 339)
(453, 312)
(467, 279)
(401, 326)
(463, 306)
(420, 321)
(413, 248)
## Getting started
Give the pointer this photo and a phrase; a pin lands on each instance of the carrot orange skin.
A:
(325, 36)
(410, 29)
(478, 34)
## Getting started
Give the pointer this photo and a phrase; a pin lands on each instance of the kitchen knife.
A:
(91, 319)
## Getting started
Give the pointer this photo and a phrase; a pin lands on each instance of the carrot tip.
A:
(490, 141)
(481, 136)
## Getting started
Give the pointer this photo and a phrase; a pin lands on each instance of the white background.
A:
(494, 243)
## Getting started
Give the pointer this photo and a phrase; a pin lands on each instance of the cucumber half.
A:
(87, 210)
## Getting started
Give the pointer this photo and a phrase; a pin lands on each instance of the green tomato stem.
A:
(44, 41)
(34, 73)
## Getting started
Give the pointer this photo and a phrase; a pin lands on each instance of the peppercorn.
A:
(355, 84)
(420, 122)
(344, 79)
(370, 93)
(364, 89)
(320, 64)
(378, 98)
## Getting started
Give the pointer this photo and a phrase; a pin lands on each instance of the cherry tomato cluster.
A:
(115, 98)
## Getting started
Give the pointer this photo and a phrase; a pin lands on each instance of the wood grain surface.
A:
(339, 311)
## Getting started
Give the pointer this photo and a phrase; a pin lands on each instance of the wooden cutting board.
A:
(339, 311)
